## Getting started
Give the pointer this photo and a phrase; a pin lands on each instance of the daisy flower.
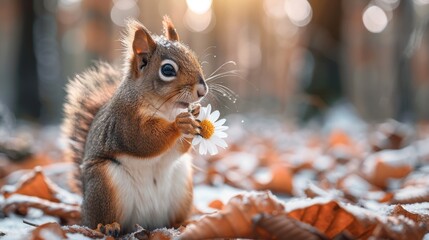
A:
(212, 131)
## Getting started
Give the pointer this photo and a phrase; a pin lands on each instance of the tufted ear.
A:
(169, 29)
(143, 47)
(143, 42)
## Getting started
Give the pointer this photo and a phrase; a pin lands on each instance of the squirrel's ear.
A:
(169, 29)
(143, 46)
(143, 42)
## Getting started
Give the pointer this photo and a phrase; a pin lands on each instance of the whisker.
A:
(218, 86)
(212, 96)
(224, 91)
(206, 53)
(208, 48)
(221, 66)
(168, 98)
(232, 73)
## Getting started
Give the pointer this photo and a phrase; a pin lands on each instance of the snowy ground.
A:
(344, 159)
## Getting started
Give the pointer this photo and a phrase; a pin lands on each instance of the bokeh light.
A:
(298, 11)
(249, 49)
(199, 6)
(198, 22)
(421, 2)
(388, 5)
(274, 8)
(73, 41)
(375, 19)
(66, 4)
(122, 10)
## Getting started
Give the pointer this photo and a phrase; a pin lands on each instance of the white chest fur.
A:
(149, 190)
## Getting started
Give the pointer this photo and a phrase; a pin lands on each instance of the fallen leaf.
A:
(281, 226)
(85, 231)
(36, 184)
(216, 204)
(235, 219)
(48, 231)
(410, 195)
(328, 217)
(400, 228)
(279, 180)
(66, 212)
(388, 164)
(157, 234)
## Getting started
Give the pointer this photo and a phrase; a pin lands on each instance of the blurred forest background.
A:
(296, 57)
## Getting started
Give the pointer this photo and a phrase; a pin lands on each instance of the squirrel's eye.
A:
(168, 70)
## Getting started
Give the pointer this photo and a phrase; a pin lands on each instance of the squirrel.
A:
(130, 132)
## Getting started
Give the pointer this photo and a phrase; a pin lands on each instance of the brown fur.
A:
(84, 99)
(102, 193)
(109, 114)
(169, 29)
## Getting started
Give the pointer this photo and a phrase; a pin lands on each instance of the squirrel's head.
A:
(162, 68)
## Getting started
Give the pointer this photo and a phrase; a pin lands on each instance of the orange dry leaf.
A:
(382, 166)
(399, 210)
(281, 226)
(53, 230)
(408, 195)
(384, 171)
(235, 219)
(7, 167)
(279, 180)
(85, 231)
(339, 138)
(48, 231)
(399, 228)
(34, 184)
(19, 203)
(328, 217)
(216, 204)
(157, 234)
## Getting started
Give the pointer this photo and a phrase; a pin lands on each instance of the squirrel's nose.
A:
(201, 88)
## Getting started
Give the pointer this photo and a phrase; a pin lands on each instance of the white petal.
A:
(219, 142)
(214, 116)
(203, 148)
(220, 122)
(202, 114)
(221, 134)
(212, 148)
(196, 140)
(221, 128)
(209, 109)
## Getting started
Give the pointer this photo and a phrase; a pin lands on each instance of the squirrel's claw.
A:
(187, 124)
(109, 229)
(195, 111)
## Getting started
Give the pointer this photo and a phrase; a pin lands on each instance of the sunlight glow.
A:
(375, 19)
(388, 5)
(123, 9)
(69, 5)
(298, 11)
(199, 6)
(198, 22)
(274, 8)
(421, 2)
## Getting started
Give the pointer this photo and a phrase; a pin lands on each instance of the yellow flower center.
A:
(207, 129)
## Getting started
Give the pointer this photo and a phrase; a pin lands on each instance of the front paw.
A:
(195, 111)
(187, 124)
(109, 229)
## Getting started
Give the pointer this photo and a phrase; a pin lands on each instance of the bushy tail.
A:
(86, 94)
